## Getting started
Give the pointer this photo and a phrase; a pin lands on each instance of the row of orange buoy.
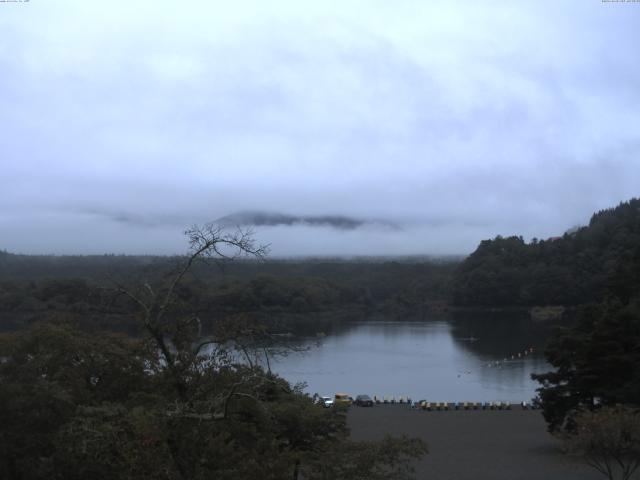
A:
(515, 356)
(433, 406)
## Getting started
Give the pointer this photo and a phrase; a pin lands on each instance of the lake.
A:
(461, 358)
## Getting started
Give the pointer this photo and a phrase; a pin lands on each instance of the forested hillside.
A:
(585, 265)
(279, 292)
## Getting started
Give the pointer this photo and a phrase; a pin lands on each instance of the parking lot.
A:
(474, 444)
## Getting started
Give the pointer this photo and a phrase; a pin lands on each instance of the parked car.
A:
(327, 402)
(364, 401)
(343, 399)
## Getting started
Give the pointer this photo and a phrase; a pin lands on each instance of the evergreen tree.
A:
(596, 363)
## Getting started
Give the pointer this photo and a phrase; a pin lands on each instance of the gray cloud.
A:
(453, 122)
(270, 219)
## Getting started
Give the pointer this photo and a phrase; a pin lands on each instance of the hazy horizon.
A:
(344, 129)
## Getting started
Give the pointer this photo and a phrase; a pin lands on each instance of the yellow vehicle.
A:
(342, 399)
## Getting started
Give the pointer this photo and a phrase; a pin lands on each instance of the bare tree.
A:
(193, 361)
(175, 335)
(609, 440)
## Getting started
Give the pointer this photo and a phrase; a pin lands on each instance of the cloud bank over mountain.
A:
(365, 126)
(270, 219)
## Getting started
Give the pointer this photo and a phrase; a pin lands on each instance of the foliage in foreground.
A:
(75, 405)
(175, 404)
(596, 363)
(609, 440)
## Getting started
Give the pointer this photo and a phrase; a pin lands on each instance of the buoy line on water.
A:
(498, 363)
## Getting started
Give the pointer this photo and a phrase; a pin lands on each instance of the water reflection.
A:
(443, 359)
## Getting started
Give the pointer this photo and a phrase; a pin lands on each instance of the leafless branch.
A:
(206, 241)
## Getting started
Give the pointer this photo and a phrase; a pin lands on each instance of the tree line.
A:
(289, 295)
(584, 265)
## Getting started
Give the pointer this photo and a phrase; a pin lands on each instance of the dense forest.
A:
(286, 294)
(584, 265)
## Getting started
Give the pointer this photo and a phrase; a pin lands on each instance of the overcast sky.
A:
(431, 124)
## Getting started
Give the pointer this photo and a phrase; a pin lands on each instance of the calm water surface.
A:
(452, 359)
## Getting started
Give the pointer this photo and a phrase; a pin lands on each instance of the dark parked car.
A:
(364, 401)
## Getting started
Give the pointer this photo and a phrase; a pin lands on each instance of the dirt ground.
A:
(476, 444)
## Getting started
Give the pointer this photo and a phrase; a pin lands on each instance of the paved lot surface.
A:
(476, 444)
